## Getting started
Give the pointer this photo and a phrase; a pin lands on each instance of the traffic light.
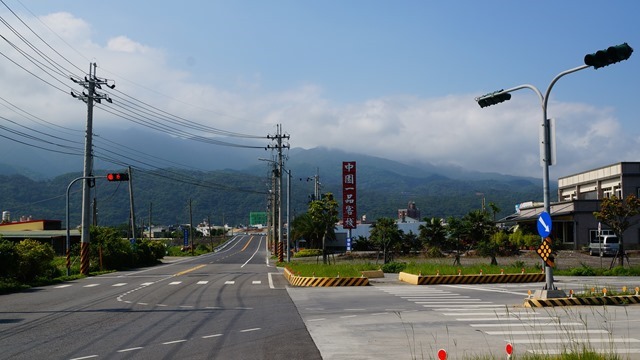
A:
(611, 55)
(118, 177)
(493, 98)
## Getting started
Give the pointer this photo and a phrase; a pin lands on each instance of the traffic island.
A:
(470, 279)
(296, 280)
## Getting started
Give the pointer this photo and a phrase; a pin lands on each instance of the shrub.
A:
(8, 259)
(308, 252)
(149, 252)
(583, 270)
(393, 267)
(35, 259)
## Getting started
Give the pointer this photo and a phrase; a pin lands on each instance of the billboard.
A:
(349, 213)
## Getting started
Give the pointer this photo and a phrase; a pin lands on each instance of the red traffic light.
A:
(118, 177)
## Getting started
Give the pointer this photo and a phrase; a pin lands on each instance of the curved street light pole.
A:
(551, 291)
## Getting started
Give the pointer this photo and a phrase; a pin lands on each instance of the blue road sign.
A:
(544, 224)
(186, 237)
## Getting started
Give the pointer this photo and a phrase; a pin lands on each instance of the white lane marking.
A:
(174, 342)
(271, 281)
(85, 357)
(211, 336)
(175, 283)
(347, 316)
(248, 330)
(91, 285)
(61, 286)
(146, 284)
(119, 284)
(256, 282)
(130, 349)
(229, 282)
(319, 319)
(203, 282)
(254, 254)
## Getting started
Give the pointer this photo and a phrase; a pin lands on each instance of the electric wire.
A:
(143, 114)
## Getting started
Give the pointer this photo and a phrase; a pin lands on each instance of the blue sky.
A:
(395, 79)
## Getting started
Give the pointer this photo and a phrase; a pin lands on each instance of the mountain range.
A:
(227, 184)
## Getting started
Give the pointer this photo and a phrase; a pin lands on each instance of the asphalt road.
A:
(234, 305)
(399, 321)
(227, 305)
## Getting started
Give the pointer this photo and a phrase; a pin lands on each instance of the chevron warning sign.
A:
(545, 252)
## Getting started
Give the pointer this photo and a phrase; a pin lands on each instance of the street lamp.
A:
(598, 59)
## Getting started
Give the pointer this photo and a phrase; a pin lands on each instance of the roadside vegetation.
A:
(30, 263)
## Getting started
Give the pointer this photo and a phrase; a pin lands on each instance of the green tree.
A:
(456, 233)
(619, 215)
(385, 234)
(410, 243)
(324, 213)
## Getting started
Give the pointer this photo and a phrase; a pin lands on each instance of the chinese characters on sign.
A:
(349, 215)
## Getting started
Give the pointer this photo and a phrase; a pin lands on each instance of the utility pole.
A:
(191, 226)
(279, 146)
(150, 207)
(131, 207)
(90, 83)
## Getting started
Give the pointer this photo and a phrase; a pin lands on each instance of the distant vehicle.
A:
(604, 245)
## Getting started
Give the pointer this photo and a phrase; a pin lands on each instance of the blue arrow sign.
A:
(544, 224)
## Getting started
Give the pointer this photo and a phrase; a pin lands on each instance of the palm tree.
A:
(434, 234)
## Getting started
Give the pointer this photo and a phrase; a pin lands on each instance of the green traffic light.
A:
(611, 55)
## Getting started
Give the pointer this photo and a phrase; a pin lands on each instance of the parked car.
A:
(604, 245)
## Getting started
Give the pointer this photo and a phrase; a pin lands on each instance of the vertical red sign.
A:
(349, 214)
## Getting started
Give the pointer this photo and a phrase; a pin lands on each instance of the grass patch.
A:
(325, 270)
(354, 269)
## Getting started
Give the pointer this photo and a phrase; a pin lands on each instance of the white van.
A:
(604, 245)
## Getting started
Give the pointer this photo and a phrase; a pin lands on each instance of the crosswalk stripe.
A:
(546, 332)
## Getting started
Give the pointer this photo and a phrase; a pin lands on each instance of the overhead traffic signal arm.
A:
(493, 98)
(118, 177)
(611, 55)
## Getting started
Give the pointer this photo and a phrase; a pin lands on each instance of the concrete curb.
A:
(470, 279)
(296, 280)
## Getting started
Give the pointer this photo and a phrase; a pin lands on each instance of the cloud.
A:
(449, 129)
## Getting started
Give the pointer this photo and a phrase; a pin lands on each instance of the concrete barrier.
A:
(296, 280)
(592, 300)
(470, 279)
(371, 274)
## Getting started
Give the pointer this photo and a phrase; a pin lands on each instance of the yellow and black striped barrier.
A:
(470, 279)
(296, 280)
(592, 300)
